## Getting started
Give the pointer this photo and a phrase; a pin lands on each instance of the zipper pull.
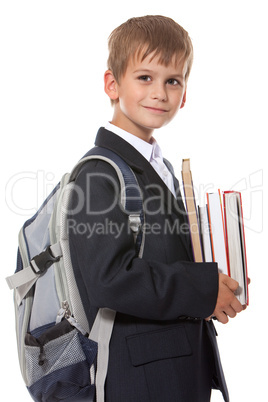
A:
(64, 312)
(65, 306)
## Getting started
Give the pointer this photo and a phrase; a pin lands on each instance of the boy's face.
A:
(149, 95)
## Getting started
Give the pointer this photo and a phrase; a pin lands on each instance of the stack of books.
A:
(217, 231)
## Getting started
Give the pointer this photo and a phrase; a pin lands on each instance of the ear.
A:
(110, 85)
(183, 100)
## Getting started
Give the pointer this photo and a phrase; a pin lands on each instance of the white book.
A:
(217, 231)
(205, 233)
(235, 241)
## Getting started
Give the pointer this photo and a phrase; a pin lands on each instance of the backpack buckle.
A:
(41, 262)
(134, 223)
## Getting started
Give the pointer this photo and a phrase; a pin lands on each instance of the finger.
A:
(232, 284)
(236, 305)
(230, 312)
(222, 317)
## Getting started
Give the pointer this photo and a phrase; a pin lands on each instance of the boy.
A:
(163, 346)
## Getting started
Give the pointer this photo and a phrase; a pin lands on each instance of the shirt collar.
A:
(145, 148)
(156, 151)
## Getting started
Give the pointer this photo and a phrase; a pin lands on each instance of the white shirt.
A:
(151, 151)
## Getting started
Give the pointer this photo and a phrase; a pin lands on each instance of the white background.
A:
(53, 56)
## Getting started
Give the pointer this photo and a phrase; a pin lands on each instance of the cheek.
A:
(177, 101)
(131, 99)
(126, 104)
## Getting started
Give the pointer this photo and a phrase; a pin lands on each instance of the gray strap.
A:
(23, 280)
(22, 290)
(101, 333)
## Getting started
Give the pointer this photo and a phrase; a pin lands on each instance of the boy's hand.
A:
(227, 303)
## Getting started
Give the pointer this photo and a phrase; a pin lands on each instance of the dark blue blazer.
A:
(162, 349)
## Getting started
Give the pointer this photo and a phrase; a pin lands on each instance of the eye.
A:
(145, 78)
(173, 81)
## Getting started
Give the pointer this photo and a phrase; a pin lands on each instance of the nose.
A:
(159, 92)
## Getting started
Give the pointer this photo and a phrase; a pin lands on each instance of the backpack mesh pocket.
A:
(58, 364)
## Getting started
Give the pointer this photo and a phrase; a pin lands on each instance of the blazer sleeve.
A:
(107, 269)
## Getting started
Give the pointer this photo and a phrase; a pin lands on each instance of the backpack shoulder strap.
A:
(131, 196)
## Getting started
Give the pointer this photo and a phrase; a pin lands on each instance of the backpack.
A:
(60, 357)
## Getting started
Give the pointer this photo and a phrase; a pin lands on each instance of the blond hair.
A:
(142, 36)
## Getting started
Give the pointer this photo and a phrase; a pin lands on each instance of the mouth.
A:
(155, 110)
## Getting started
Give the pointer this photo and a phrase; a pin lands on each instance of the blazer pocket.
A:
(157, 345)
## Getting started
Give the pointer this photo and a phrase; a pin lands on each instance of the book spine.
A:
(223, 227)
(244, 244)
(210, 232)
(226, 234)
(191, 211)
